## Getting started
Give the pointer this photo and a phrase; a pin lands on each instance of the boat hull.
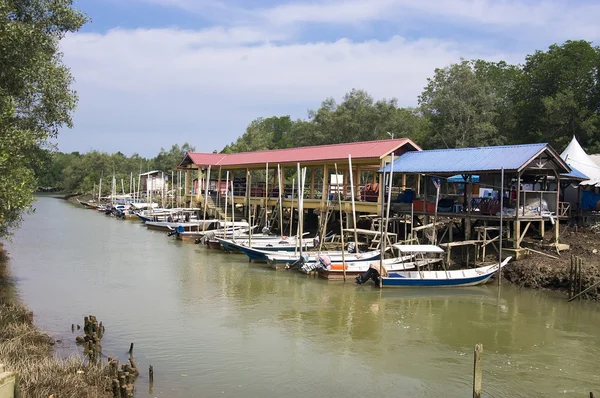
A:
(458, 278)
(214, 244)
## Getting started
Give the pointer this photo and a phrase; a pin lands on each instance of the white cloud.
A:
(154, 87)
(547, 19)
(215, 81)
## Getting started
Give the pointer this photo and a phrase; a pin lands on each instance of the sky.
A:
(152, 73)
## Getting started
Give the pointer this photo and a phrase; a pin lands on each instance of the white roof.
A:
(418, 248)
(151, 173)
(575, 156)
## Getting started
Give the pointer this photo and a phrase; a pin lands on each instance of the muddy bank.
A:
(541, 272)
(28, 351)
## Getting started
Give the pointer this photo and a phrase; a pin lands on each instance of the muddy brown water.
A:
(213, 325)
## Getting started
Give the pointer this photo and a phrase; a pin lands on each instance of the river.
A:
(213, 325)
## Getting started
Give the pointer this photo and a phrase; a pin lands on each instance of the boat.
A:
(441, 278)
(275, 258)
(169, 226)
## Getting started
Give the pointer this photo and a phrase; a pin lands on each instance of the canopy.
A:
(575, 156)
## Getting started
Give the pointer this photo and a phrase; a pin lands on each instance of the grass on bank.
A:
(28, 352)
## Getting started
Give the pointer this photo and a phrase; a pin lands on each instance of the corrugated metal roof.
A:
(466, 160)
(358, 150)
(575, 174)
(206, 158)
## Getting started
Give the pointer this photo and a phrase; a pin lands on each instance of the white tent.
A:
(575, 157)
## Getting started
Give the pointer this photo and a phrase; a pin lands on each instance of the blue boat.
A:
(143, 218)
(455, 278)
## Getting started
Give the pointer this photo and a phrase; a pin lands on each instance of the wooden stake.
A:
(151, 374)
(477, 371)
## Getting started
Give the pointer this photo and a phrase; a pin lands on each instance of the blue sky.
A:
(151, 73)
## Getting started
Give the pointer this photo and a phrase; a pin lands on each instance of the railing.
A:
(564, 209)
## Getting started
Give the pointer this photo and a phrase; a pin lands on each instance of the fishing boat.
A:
(167, 226)
(276, 258)
(441, 278)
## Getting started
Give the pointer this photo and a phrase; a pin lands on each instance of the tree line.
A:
(553, 96)
(76, 172)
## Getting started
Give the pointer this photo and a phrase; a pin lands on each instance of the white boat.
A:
(441, 278)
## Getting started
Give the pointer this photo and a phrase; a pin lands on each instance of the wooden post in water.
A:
(580, 276)
(571, 278)
(206, 198)
(150, 379)
(477, 371)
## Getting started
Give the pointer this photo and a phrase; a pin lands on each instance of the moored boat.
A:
(441, 278)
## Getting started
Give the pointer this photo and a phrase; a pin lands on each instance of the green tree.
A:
(35, 95)
(168, 161)
(559, 96)
(461, 108)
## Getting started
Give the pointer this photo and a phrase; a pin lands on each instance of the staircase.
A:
(220, 212)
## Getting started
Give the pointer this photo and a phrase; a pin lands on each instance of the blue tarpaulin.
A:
(589, 200)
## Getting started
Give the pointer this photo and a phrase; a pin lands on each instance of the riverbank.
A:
(29, 352)
(542, 272)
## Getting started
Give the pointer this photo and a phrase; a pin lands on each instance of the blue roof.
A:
(467, 160)
(575, 174)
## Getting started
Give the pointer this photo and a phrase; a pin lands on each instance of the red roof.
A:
(358, 150)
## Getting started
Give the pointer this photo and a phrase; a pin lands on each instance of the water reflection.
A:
(238, 329)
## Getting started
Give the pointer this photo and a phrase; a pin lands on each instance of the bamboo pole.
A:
(266, 193)
(280, 204)
(353, 204)
(501, 227)
(292, 207)
(301, 206)
(206, 198)
(341, 225)
(248, 195)
(226, 189)
(232, 211)
(384, 236)
(100, 187)
(298, 232)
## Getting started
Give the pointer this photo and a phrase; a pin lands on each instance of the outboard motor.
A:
(178, 230)
(371, 273)
(322, 263)
(298, 263)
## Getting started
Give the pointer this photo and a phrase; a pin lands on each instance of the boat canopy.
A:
(418, 248)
